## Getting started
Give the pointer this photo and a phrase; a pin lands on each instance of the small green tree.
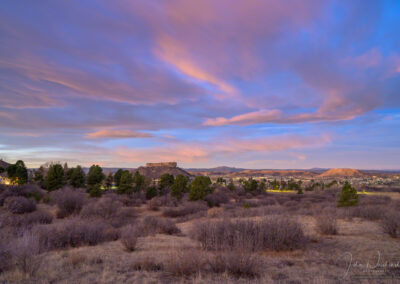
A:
(95, 175)
(200, 188)
(250, 185)
(179, 187)
(151, 192)
(166, 180)
(126, 183)
(221, 181)
(55, 177)
(109, 181)
(95, 191)
(117, 177)
(348, 197)
(77, 177)
(262, 187)
(18, 173)
(231, 186)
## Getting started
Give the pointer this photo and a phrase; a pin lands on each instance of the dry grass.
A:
(258, 244)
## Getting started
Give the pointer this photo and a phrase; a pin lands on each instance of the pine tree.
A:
(348, 197)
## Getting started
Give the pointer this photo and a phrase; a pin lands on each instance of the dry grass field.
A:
(266, 238)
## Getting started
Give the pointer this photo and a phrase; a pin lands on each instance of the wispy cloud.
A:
(108, 133)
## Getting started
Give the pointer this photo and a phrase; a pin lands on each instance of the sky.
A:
(252, 84)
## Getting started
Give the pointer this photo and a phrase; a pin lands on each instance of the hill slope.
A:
(157, 172)
(342, 173)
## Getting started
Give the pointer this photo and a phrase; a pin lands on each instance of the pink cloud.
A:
(194, 151)
(118, 134)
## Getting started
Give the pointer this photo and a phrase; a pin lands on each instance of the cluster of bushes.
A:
(248, 235)
(191, 262)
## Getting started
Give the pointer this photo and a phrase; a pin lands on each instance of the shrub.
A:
(184, 210)
(147, 264)
(391, 224)
(217, 198)
(326, 224)
(129, 235)
(237, 264)
(69, 201)
(183, 263)
(275, 234)
(369, 212)
(110, 210)
(20, 205)
(154, 225)
(24, 253)
(348, 196)
(73, 233)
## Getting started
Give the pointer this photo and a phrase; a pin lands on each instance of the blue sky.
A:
(255, 84)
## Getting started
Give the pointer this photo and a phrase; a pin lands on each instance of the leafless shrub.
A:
(27, 191)
(236, 263)
(184, 263)
(5, 257)
(147, 264)
(217, 198)
(155, 225)
(163, 201)
(25, 221)
(369, 212)
(248, 235)
(69, 201)
(374, 200)
(73, 233)
(24, 253)
(110, 210)
(129, 237)
(327, 224)
(20, 205)
(187, 209)
(391, 223)
(77, 259)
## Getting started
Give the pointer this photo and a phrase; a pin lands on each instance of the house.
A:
(4, 179)
(3, 175)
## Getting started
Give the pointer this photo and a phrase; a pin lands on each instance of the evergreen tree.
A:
(95, 175)
(139, 181)
(38, 176)
(18, 173)
(231, 185)
(179, 187)
(126, 183)
(109, 181)
(151, 192)
(117, 177)
(95, 191)
(200, 188)
(166, 180)
(55, 177)
(348, 197)
(250, 185)
(77, 177)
